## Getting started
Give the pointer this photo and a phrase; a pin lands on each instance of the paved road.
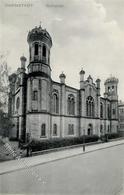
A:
(97, 173)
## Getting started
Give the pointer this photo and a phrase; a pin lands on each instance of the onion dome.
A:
(111, 80)
(98, 80)
(62, 78)
(38, 33)
(82, 72)
(62, 75)
(23, 58)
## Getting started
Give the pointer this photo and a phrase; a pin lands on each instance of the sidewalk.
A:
(14, 165)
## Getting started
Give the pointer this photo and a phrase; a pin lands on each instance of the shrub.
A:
(110, 136)
(13, 139)
(113, 135)
(38, 145)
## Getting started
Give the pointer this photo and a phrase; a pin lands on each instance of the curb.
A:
(63, 148)
(71, 147)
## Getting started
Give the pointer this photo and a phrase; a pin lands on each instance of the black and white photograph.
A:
(62, 97)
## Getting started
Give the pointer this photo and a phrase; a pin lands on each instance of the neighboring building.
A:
(121, 117)
(44, 108)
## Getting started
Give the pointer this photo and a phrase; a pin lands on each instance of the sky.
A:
(86, 34)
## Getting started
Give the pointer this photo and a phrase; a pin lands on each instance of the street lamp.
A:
(83, 140)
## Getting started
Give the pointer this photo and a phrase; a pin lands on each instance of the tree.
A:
(5, 120)
(4, 84)
(5, 124)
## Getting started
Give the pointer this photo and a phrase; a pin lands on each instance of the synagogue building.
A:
(44, 108)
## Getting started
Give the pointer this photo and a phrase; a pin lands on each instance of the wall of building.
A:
(40, 113)
(121, 117)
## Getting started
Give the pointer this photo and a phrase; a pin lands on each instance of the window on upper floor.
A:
(44, 51)
(108, 111)
(90, 106)
(36, 49)
(55, 103)
(101, 110)
(35, 95)
(113, 111)
(108, 88)
(17, 103)
(112, 88)
(71, 105)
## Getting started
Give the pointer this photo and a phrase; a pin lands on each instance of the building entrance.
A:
(90, 129)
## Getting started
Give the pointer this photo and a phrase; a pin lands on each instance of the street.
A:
(97, 173)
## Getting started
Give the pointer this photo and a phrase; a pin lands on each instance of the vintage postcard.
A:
(62, 97)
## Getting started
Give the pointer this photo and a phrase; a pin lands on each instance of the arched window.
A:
(113, 111)
(109, 89)
(108, 111)
(43, 130)
(55, 103)
(35, 95)
(36, 49)
(90, 106)
(108, 129)
(101, 128)
(71, 105)
(70, 129)
(55, 129)
(44, 51)
(17, 103)
(101, 109)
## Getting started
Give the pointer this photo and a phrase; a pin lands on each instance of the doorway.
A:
(90, 129)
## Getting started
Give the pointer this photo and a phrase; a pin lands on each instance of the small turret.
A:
(82, 73)
(62, 78)
(98, 86)
(23, 62)
(89, 79)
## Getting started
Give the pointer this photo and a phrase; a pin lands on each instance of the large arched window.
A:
(36, 49)
(43, 130)
(71, 105)
(101, 110)
(55, 103)
(90, 106)
(44, 51)
(17, 103)
(54, 129)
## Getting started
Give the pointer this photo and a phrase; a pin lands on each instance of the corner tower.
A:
(40, 43)
(39, 71)
(39, 83)
(111, 88)
(111, 93)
